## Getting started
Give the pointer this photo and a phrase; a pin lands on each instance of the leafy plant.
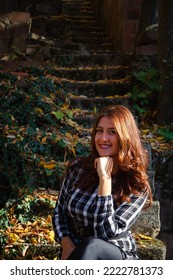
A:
(26, 220)
(38, 134)
(166, 132)
(146, 84)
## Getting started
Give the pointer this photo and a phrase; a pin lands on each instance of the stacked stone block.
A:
(14, 31)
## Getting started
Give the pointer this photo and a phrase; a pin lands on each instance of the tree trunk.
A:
(165, 58)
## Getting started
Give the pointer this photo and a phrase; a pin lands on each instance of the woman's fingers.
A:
(104, 166)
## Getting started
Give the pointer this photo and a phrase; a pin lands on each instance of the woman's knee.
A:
(101, 249)
(91, 241)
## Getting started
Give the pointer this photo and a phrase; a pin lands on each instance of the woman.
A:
(102, 195)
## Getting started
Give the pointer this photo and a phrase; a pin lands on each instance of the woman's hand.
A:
(67, 247)
(104, 167)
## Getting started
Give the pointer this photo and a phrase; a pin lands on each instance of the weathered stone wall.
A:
(121, 20)
(14, 30)
(163, 165)
(46, 7)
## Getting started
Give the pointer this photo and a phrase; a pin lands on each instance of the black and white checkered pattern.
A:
(97, 212)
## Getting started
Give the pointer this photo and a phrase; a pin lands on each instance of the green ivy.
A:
(34, 113)
(146, 82)
(166, 132)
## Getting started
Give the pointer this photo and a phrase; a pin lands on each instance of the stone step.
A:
(59, 50)
(84, 27)
(148, 222)
(71, 46)
(97, 103)
(74, 12)
(85, 119)
(84, 24)
(145, 231)
(89, 106)
(84, 21)
(77, 9)
(76, 2)
(92, 73)
(81, 18)
(86, 59)
(59, 26)
(69, 58)
(91, 40)
(77, 5)
(98, 88)
(95, 88)
(83, 33)
(153, 249)
(79, 14)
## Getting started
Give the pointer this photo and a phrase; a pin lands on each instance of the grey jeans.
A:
(92, 248)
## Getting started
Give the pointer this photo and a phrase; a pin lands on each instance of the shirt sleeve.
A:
(110, 222)
(59, 219)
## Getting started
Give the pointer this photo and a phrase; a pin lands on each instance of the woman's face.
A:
(106, 139)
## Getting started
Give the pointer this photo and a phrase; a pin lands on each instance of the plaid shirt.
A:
(97, 212)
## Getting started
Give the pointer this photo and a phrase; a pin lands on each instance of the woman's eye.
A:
(98, 130)
(112, 131)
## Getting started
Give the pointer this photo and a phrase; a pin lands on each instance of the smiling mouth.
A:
(105, 146)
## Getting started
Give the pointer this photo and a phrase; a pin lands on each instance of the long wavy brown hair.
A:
(132, 157)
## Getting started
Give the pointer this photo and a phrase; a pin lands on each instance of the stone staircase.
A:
(95, 75)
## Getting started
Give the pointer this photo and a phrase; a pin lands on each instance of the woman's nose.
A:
(104, 136)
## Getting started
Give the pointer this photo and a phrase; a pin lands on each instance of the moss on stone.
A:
(153, 249)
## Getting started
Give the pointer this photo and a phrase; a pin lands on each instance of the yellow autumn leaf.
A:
(160, 138)
(21, 241)
(145, 237)
(12, 238)
(65, 106)
(34, 240)
(95, 110)
(40, 258)
(49, 166)
(13, 221)
(27, 199)
(51, 236)
(12, 118)
(27, 229)
(34, 223)
(39, 111)
(44, 230)
(28, 223)
(73, 151)
(43, 141)
(18, 230)
(52, 95)
(49, 219)
(41, 163)
(12, 209)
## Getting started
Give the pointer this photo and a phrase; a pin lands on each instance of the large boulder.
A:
(14, 31)
(148, 222)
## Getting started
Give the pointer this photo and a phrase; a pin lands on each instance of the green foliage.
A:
(23, 218)
(166, 132)
(37, 130)
(146, 83)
